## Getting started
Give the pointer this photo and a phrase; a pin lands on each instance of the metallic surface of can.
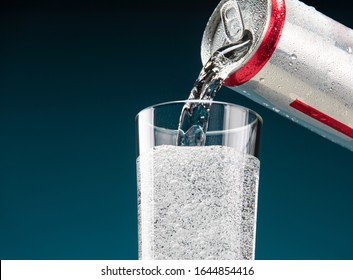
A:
(300, 63)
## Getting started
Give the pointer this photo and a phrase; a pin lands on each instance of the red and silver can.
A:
(299, 64)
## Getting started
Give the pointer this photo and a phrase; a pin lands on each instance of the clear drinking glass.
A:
(197, 202)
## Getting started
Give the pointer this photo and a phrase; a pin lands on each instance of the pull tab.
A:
(232, 21)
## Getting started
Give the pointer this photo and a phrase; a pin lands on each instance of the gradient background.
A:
(73, 75)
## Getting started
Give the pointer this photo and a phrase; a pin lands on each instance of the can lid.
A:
(264, 19)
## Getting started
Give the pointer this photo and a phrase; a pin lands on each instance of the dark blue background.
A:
(73, 75)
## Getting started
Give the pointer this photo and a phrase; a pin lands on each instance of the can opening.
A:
(266, 48)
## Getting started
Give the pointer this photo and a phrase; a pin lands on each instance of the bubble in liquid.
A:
(293, 56)
(208, 213)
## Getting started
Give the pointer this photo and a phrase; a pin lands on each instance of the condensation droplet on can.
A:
(247, 93)
(350, 50)
(262, 79)
(290, 63)
(293, 56)
(276, 110)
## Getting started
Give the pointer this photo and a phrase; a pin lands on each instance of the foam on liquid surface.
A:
(197, 203)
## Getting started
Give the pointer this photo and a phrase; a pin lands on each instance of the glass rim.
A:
(200, 101)
(258, 118)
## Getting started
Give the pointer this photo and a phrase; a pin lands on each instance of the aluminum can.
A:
(300, 63)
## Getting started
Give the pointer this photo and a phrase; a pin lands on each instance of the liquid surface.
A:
(197, 203)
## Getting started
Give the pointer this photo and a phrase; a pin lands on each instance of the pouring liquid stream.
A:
(193, 121)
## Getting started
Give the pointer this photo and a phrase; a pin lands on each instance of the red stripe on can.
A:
(323, 118)
(266, 48)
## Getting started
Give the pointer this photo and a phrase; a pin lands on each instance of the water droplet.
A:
(262, 79)
(247, 93)
(350, 50)
(276, 110)
(293, 56)
(331, 89)
(333, 83)
(296, 69)
(290, 63)
(265, 104)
